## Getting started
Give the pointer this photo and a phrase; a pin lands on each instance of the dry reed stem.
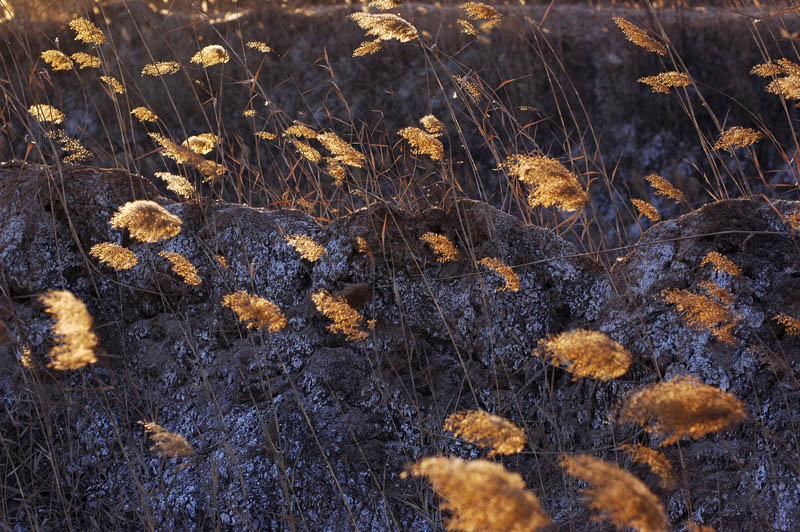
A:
(617, 495)
(147, 221)
(487, 431)
(114, 255)
(167, 444)
(182, 267)
(586, 354)
(481, 496)
(655, 460)
(256, 312)
(442, 246)
(682, 407)
(75, 342)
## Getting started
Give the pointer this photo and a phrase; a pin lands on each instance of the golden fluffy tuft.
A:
(346, 319)
(721, 263)
(143, 114)
(511, 279)
(664, 187)
(306, 247)
(182, 267)
(85, 60)
(177, 184)
(487, 431)
(586, 354)
(57, 59)
(655, 460)
(442, 246)
(114, 255)
(423, 143)
(664, 81)
(647, 209)
(706, 313)
(147, 221)
(211, 55)
(552, 183)
(256, 312)
(640, 37)
(165, 443)
(75, 342)
(46, 113)
(86, 31)
(737, 137)
(160, 68)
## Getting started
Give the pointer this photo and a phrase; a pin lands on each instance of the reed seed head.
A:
(442, 246)
(368, 47)
(385, 26)
(737, 137)
(143, 114)
(487, 431)
(481, 496)
(161, 68)
(551, 182)
(586, 354)
(86, 31)
(182, 267)
(46, 113)
(202, 143)
(705, 313)
(432, 125)
(211, 55)
(664, 81)
(682, 407)
(640, 37)
(57, 60)
(511, 279)
(165, 443)
(177, 184)
(259, 46)
(647, 209)
(256, 312)
(75, 342)
(790, 324)
(114, 255)
(342, 152)
(481, 11)
(617, 495)
(85, 60)
(664, 187)
(346, 319)
(113, 83)
(655, 460)
(147, 221)
(306, 247)
(721, 263)
(423, 143)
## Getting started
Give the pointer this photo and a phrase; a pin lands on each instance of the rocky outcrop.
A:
(305, 430)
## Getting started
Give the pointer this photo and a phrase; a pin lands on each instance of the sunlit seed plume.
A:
(766, 70)
(586, 354)
(182, 267)
(306, 150)
(265, 135)
(177, 184)
(46, 113)
(74, 340)
(363, 248)
(423, 143)
(467, 27)
(338, 172)
(487, 431)
(76, 152)
(664, 187)
(655, 460)
(790, 324)
(259, 46)
(183, 155)
(256, 312)
(432, 125)
(617, 495)
(694, 527)
(147, 221)
(249, 113)
(202, 143)
(647, 209)
(300, 131)
(114, 255)
(718, 292)
(682, 407)
(511, 279)
(86, 31)
(662, 82)
(552, 184)
(26, 359)
(788, 87)
(57, 59)
(481, 11)
(721, 263)
(222, 261)
(385, 26)
(737, 137)
(342, 152)
(470, 87)
(384, 5)
(211, 55)
(704, 313)
(112, 82)
(306, 247)
(143, 114)
(640, 37)
(368, 47)
(165, 443)
(481, 496)
(442, 246)
(161, 68)
(85, 60)
(346, 319)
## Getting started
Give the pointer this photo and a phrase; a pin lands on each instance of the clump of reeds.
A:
(487, 431)
(586, 354)
(552, 183)
(256, 312)
(682, 407)
(146, 221)
(617, 495)
(165, 443)
(114, 255)
(75, 342)
(482, 496)
(441, 245)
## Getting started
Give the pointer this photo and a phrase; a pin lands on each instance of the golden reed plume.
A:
(143, 114)
(552, 184)
(511, 279)
(682, 407)
(664, 187)
(481, 11)
(306, 247)
(737, 137)
(647, 209)
(586, 354)
(790, 324)
(211, 55)
(482, 496)
(655, 460)
(57, 59)
(721, 263)
(86, 31)
(46, 113)
(147, 221)
(701, 312)
(256, 312)
(346, 319)
(182, 267)
(662, 82)
(423, 143)
(640, 37)
(177, 184)
(487, 431)
(166, 443)
(75, 341)
(114, 255)
(442, 246)
(617, 495)
(85, 60)
(161, 68)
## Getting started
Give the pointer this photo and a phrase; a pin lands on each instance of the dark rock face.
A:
(303, 430)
